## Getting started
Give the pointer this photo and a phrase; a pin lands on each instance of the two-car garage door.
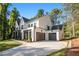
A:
(52, 36)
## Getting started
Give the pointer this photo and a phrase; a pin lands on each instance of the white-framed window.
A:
(31, 25)
(21, 26)
(28, 25)
(35, 24)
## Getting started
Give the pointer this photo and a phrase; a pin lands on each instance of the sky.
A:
(29, 10)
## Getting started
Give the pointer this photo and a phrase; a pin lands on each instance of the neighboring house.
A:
(39, 29)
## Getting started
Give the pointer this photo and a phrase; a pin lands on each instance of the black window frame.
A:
(48, 27)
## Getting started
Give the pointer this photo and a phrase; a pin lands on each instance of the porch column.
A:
(33, 34)
(22, 36)
(30, 35)
(46, 36)
(57, 35)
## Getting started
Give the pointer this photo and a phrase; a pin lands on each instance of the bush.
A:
(67, 35)
(77, 34)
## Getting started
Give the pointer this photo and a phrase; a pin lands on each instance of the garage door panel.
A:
(40, 36)
(52, 36)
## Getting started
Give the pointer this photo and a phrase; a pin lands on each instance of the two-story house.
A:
(39, 29)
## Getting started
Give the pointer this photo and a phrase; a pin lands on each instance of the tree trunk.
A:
(73, 29)
(4, 30)
(3, 12)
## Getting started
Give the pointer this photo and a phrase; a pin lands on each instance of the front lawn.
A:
(7, 44)
(61, 52)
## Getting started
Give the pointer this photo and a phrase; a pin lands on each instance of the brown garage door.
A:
(52, 36)
(40, 36)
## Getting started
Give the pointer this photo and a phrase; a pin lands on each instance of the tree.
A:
(40, 13)
(73, 11)
(67, 29)
(3, 16)
(14, 16)
(54, 15)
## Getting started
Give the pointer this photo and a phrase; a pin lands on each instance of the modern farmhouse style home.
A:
(38, 29)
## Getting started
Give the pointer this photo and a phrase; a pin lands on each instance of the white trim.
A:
(54, 31)
(57, 35)
(22, 34)
(46, 36)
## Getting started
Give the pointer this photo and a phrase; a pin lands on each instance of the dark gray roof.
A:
(25, 19)
(57, 27)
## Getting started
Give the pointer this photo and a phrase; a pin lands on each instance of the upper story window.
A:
(28, 25)
(21, 26)
(31, 25)
(34, 24)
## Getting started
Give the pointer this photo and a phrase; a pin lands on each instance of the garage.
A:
(52, 36)
(40, 36)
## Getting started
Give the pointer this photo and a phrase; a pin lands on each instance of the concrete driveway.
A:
(40, 48)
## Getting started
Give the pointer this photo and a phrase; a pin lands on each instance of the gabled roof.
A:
(22, 18)
(25, 19)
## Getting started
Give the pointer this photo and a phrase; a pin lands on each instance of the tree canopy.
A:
(40, 13)
(7, 23)
(72, 11)
(54, 15)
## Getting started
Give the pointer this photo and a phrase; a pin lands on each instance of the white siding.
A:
(16, 26)
(21, 23)
(61, 34)
(32, 22)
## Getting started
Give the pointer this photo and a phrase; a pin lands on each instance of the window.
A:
(31, 25)
(28, 25)
(21, 26)
(35, 24)
(48, 28)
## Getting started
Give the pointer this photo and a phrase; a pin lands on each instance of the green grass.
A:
(58, 53)
(7, 44)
